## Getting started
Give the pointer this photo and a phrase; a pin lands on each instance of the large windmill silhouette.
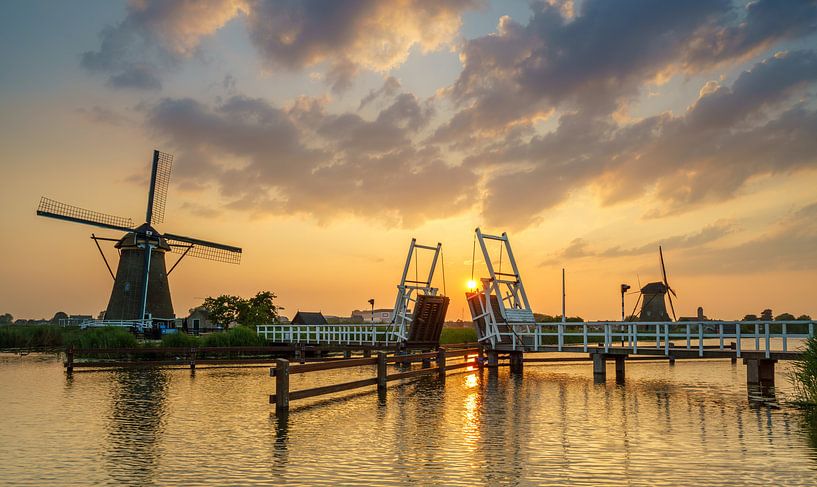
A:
(140, 289)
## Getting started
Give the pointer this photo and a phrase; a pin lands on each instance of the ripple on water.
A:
(687, 424)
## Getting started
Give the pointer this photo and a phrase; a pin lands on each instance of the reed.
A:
(804, 375)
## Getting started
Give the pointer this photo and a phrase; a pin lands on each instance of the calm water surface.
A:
(687, 424)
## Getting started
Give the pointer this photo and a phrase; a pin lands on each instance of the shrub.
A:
(31, 336)
(179, 340)
(804, 374)
(240, 336)
(105, 337)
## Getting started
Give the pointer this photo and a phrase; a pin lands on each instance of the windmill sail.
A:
(159, 181)
(61, 211)
(203, 249)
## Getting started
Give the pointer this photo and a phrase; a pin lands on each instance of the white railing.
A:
(137, 324)
(765, 336)
(359, 334)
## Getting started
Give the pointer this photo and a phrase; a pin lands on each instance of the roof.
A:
(654, 288)
(308, 318)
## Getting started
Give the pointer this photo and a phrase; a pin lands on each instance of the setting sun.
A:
(471, 285)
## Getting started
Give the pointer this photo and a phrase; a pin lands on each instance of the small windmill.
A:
(653, 306)
(140, 290)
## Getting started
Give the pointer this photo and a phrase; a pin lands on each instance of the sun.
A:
(471, 285)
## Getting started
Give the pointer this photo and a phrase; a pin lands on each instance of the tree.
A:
(223, 309)
(766, 315)
(6, 319)
(784, 317)
(804, 318)
(258, 310)
(750, 318)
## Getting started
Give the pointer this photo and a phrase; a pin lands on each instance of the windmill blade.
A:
(204, 249)
(61, 211)
(159, 181)
(674, 318)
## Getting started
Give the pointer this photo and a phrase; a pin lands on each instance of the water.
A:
(687, 424)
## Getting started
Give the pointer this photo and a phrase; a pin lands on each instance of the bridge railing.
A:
(765, 336)
(359, 334)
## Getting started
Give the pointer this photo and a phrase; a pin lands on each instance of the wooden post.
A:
(599, 368)
(426, 362)
(381, 371)
(347, 354)
(367, 353)
(192, 358)
(733, 346)
(493, 359)
(281, 384)
(516, 362)
(441, 361)
(620, 360)
(480, 358)
(69, 359)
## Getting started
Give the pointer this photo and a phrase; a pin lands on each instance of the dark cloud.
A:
(350, 35)
(601, 57)
(270, 160)
(389, 89)
(758, 126)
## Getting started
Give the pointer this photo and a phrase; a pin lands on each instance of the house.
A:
(308, 318)
(199, 322)
(382, 315)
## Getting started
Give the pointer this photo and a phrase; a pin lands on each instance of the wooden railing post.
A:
(192, 358)
(441, 361)
(69, 359)
(281, 384)
(381, 371)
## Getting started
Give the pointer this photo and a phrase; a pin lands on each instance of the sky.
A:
(321, 136)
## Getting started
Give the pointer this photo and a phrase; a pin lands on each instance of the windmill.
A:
(653, 306)
(140, 289)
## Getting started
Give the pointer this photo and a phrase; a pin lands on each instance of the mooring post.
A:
(192, 358)
(69, 359)
(347, 354)
(493, 359)
(480, 358)
(732, 346)
(367, 353)
(441, 361)
(620, 359)
(759, 371)
(516, 362)
(426, 362)
(281, 384)
(381, 371)
(599, 368)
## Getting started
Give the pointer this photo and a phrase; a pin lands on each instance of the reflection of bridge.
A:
(505, 325)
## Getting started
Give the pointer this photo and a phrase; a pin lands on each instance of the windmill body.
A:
(141, 290)
(654, 306)
(125, 302)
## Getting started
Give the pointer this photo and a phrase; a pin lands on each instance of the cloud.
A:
(603, 55)
(789, 245)
(579, 248)
(358, 34)
(761, 125)
(303, 160)
(347, 36)
(154, 36)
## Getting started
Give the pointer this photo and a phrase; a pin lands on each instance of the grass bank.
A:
(804, 375)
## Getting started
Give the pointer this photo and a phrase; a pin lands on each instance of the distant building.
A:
(199, 322)
(382, 315)
(309, 318)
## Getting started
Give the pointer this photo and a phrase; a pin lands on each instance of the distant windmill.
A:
(653, 306)
(140, 288)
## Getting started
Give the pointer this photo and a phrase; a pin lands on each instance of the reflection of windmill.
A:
(653, 307)
(140, 288)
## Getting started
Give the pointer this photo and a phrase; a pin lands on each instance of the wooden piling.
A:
(192, 358)
(69, 359)
(620, 361)
(599, 368)
(441, 361)
(281, 384)
(381, 371)
(481, 358)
